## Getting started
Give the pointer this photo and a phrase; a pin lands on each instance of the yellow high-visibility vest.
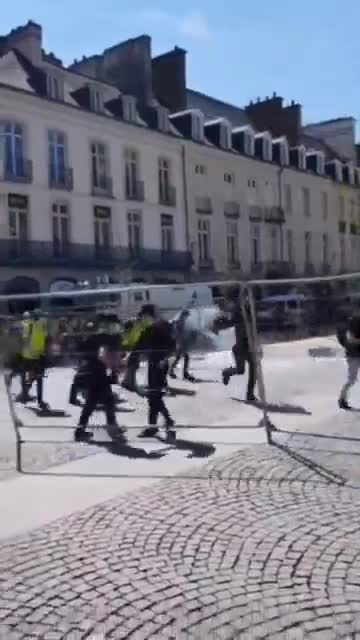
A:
(134, 335)
(35, 339)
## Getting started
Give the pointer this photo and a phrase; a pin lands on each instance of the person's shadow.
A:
(196, 449)
(277, 407)
(49, 413)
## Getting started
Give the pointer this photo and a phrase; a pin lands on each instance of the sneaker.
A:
(251, 398)
(171, 435)
(189, 377)
(343, 404)
(173, 375)
(149, 432)
(44, 406)
(225, 377)
(81, 435)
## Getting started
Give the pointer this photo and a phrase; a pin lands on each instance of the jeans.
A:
(353, 365)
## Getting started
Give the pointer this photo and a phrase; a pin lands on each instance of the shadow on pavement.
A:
(319, 469)
(277, 408)
(49, 413)
(196, 449)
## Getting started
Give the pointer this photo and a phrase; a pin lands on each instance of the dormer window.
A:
(349, 173)
(96, 100)
(54, 87)
(249, 143)
(302, 158)
(197, 124)
(321, 164)
(263, 146)
(163, 119)
(284, 152)
(225, 136)
(129, 108)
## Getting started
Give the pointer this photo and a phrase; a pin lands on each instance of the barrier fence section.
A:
(273, 310)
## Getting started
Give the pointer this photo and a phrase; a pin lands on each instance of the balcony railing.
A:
(135, 191)
(206, 264)
(167, 196)
(273, 268)
(61, 178)
(21, 171)
(46, 254)
(274, 214)
(102, 186)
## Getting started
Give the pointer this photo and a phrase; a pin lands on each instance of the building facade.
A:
(96, 182)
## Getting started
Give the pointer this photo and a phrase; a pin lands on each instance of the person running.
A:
(34, 353)
(241, 350)
(130, 341)
(184, 337)
(98, 392)
(158, 343)
(349, 337)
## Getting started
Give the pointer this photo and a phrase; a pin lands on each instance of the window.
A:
(134, 220)
(200, 169)
(341, 207)
(204, 239)
(225, 136)
(284, 153)
(197, 124)
(252, 184)
(325, 205)
(307, 247)
(164, 179)
(232, 242)
(99, 165)
(325, 248)
(131, 173)
(306, 201)
(129, 108)
(102, 228)
(249, 143)
(290, 245)
(12, 143)
(96, 100)
(60, 228)
(167, 232)
(163, 119)
(288, 199)
(274, 243)
(342, 252)
(54, 87)
(320, 164)
(302, 158)
(57, 157)
(267, 149)
(18, 223)
(255, 244)
(229, 178)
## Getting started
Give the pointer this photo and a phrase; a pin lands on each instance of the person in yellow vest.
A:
(35, 344)
(129, 342)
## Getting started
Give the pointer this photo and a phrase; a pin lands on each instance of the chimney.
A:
(128, 66)
(28, 40)
(169, 79)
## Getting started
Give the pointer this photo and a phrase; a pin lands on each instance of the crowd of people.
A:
(111, 353)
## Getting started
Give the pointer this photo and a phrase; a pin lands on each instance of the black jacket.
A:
(236, 320)
(352, 327)
(157, 342)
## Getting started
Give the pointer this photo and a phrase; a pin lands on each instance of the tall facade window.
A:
(164, 180)
(341, 207)
(204, 239)
(288, 199)
(18, 218)
(134, 221)
(307, 239)
(54, 87)
(325, 248)
(255, 244)
(99, 165)
(290, 245)
(57, 157)
(102, 229)
(274, 243)
(96, 100)
(60, 228)
(167, 233)
(325, 205)
(131, 173)
(232, 241)
(305, 192)
(12, 145)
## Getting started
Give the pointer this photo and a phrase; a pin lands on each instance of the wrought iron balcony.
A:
(26, 253)
(102, 186)
(167, 195)
(135, 191)
(206, 264)
(275, 215)
(61, 178)
(273, 268)
(21, 170)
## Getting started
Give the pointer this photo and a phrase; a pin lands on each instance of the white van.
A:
(281, 311)
(127, 301)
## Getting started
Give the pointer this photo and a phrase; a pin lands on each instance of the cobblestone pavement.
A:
(260, 544)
